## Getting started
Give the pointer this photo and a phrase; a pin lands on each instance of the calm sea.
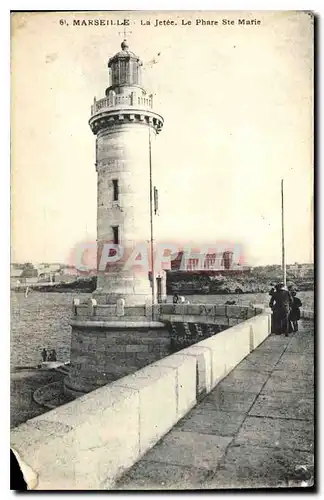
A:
(42, 320)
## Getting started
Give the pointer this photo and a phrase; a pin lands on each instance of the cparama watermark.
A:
(107, 257)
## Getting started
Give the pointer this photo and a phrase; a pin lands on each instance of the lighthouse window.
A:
(116, 190)
(116, 234)
(134, 73)
(114, 73)
(122, 72)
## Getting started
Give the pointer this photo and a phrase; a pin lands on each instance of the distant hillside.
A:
(189, 283)
(86, 285)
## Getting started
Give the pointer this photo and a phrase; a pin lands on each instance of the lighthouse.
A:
(125, 126)
(118, 331)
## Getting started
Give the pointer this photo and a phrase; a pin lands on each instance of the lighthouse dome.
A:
(125, 67)
(125, 53)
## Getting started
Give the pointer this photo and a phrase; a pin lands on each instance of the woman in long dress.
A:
(294, 315)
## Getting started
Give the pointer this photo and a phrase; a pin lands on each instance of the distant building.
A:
(15, 273)
(210, 262)
(15, 277)
(54, 268)
(48, 268)
(301, 270)
(70, 270)
(20, 277)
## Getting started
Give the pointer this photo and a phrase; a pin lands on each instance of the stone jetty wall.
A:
(91, 441)
(110, 342)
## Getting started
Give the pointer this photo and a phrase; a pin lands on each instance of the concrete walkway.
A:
(254, 430)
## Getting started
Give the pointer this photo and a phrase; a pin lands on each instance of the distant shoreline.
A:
(56, 289)
(186, 285)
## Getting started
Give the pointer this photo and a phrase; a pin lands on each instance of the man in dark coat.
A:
(274, 318)
(281, 302)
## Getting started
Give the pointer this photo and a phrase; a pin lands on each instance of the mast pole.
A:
(151, 220)
(283, 257)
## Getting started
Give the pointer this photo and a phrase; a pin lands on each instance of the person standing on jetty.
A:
(44, 355)
(281, 303)
(294, 315)
(175, 298)
(179, 299)
(274, 319)
(52, 356)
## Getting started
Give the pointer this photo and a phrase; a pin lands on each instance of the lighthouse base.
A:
(104, 351)
(134, 290)
(131, 300)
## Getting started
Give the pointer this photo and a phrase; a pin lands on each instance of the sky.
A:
(238, 108)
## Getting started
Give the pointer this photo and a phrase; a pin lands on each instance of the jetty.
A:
(235, 409)
(254, 430)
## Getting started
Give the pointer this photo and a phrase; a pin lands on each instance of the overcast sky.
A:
(238, 108)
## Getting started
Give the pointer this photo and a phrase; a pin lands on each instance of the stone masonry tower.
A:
(118, 330)
(125, 124)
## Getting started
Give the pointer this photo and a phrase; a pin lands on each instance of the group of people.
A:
(179, 299)
(285, 307)
(49, 356)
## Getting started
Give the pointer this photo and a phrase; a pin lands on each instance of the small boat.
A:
(51, 365)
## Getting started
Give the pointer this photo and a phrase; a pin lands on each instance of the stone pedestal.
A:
(110, 342)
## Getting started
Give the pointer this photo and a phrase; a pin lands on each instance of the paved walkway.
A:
(255, 429)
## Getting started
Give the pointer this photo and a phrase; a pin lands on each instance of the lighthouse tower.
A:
(125, 125)
(118, 330)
